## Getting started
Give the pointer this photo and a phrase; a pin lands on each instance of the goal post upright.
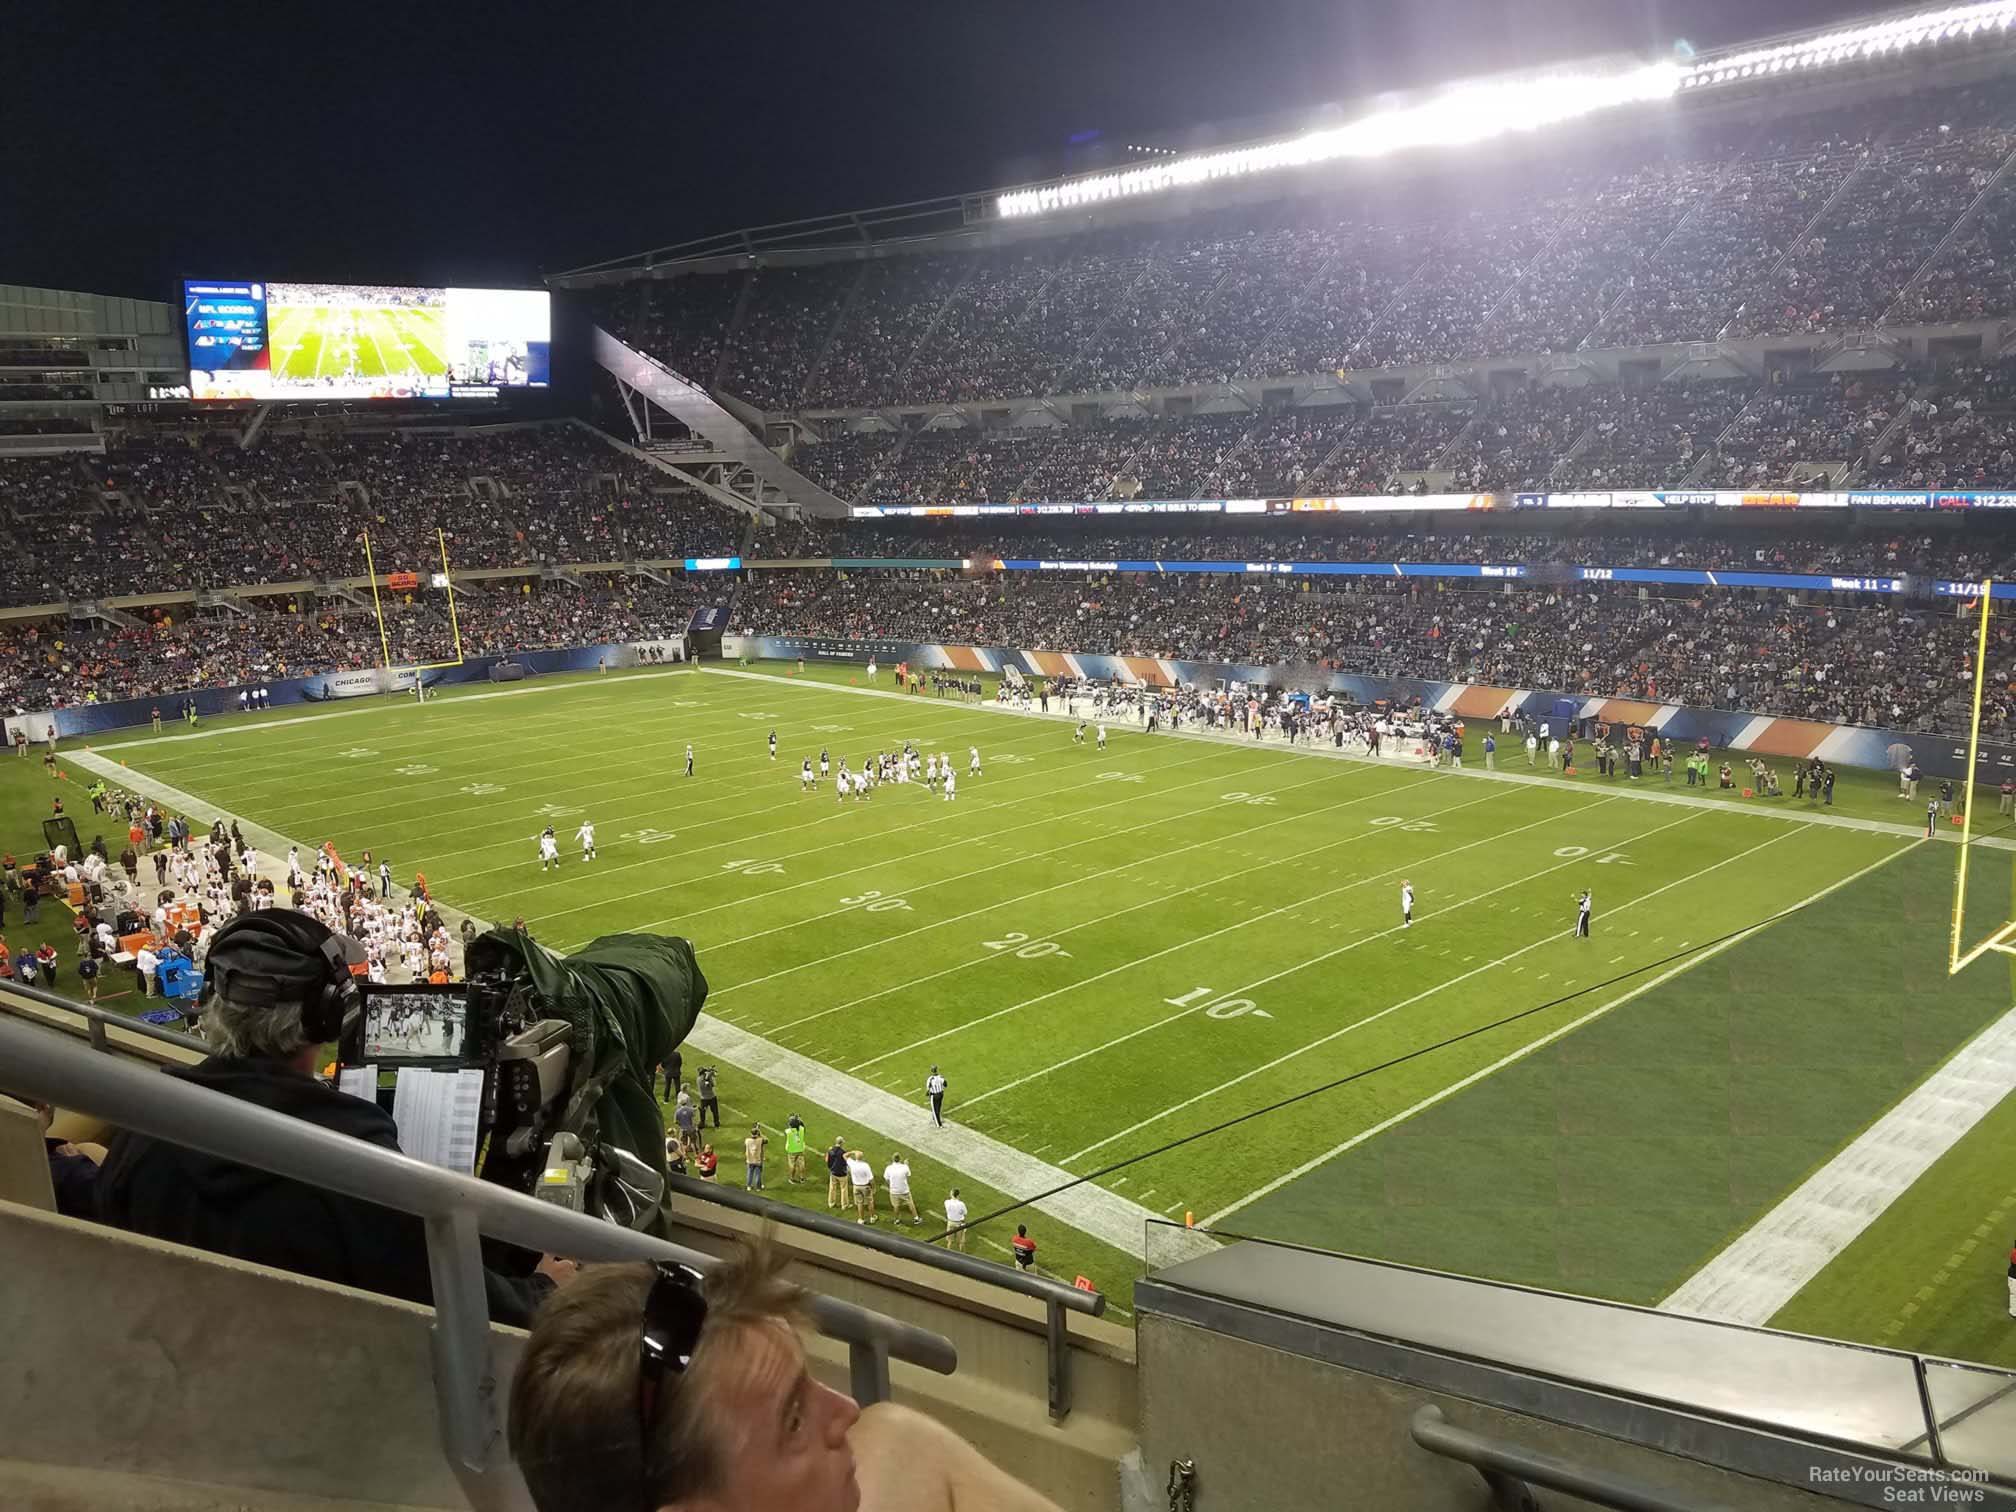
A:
(448, 582)
(377, 604)
(1958, 957)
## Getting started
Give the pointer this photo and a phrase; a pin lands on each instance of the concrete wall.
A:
(1282, 1432)
(140, 1374)
(124, 1357)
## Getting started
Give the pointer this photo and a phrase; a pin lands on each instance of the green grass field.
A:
(1109, 951)
(310, 342)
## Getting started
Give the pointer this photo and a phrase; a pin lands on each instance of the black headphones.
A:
(324, 1005)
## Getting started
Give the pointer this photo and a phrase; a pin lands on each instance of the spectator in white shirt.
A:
(897, 1175)
(862, 1176)
(147, 960)
(955, 1221)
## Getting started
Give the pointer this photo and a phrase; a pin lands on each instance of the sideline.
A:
(1088, 1207)
(1316, 748)
(1745, 1277)
(1771, 1262)
(1104, 1215)
(270, 843)
(1527, 1049)
(249, 726)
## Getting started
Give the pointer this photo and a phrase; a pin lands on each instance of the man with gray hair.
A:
(277, 989)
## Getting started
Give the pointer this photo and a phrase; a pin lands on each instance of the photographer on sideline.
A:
(277, 989)
(650, 1387)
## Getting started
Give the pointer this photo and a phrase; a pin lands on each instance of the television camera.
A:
(539, 1129)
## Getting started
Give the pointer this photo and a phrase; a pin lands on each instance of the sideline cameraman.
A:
(277, 989)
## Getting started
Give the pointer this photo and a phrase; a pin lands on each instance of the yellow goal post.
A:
(1961, 951)
(447, 583)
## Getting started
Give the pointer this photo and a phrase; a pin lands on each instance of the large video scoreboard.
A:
(254, 340)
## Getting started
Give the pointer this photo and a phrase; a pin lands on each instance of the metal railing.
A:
(1057, 1298)
(1793, 1409)
(1511, 1471)
(98, 1020)
(456, 1211)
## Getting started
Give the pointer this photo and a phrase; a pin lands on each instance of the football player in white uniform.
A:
(549, 850)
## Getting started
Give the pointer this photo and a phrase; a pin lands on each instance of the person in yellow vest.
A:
(794, 1149)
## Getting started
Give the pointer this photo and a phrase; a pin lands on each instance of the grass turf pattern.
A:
(1106, 950)
(311, 342)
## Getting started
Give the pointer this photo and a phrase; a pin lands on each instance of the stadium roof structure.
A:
(1887, 52)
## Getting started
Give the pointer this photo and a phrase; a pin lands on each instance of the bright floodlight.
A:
(1461, 114)
(1479, 111)
(1891, 35)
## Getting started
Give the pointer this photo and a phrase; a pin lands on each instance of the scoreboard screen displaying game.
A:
(253, 340)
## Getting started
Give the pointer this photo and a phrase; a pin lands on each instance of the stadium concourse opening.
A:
(1431, 689)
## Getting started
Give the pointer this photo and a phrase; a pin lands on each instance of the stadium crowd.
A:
(1818, 222)
(168, 511)
(1954, 428)
(1845, 658)
(53, 664)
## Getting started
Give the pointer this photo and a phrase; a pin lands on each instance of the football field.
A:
(1109, 953)
(364, 341)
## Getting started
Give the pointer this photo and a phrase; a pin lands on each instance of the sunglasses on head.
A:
(675, 1310)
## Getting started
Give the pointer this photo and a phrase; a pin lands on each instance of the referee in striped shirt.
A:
(934, 1087)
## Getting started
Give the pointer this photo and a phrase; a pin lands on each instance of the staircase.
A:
(699, 412)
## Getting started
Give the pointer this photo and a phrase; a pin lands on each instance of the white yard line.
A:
(965, 839)
(269, 842)
(1186, 944)
(1527, 1049)
(413, 840)
(1154, 902)
(837, 814)
(1091, 1209)
(1768, 1265)
(253, 727)
(420, 792)
(1646, 793)
(1550, 938)
(922, 929)
(1304, 965)
(421, 745)
(1054, 850)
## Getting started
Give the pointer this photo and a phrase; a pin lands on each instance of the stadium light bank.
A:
(1482, 110)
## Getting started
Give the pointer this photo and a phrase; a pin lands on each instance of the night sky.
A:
(443, 143)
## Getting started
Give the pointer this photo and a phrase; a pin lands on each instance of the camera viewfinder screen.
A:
(416, 1023)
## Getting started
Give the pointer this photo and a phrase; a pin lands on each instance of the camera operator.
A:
(277, 989)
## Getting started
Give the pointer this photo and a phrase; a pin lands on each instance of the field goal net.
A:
(1984, 873)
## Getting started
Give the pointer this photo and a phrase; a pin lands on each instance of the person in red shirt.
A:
(1024, 1247)
(707, 1164)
